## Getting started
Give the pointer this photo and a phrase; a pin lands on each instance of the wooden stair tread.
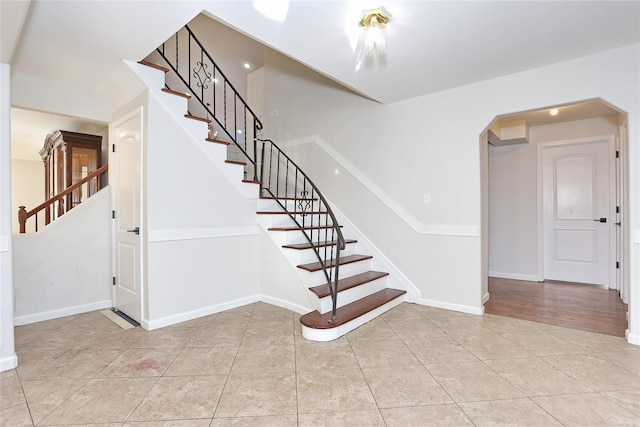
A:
(292, 213)
(200, 119)
(319, 227)
(236, 162)
(217, 141)
(251, 181)
(347, 313)
(349, 282)
(152, 65)
(316, 266)
(307, 245)
(175, 92)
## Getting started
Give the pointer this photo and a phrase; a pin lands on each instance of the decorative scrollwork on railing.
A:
(202, 74)
(304, 203)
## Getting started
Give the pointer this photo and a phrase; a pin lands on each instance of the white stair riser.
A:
(177, 105)
(216, 152)
(318, 278)
(306, 256)
(235, 171)
(334, 333)
(149, 75)
(283, 220)
(297, 236)
(353, 294)
(297, 205)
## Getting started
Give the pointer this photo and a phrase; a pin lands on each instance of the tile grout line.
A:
(226, 381)
(430, 374)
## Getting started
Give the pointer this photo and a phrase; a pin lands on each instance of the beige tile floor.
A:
(414, 366)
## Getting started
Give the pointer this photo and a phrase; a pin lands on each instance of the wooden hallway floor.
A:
(572, 305)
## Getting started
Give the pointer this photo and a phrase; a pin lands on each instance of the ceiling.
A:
(432, 45)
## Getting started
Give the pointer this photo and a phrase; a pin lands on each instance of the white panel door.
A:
(126, 137)
(577, 220)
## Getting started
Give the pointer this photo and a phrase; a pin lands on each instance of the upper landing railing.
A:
(279, 177)
(65, 200)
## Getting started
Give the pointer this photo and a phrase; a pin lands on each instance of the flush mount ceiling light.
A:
(375, 22)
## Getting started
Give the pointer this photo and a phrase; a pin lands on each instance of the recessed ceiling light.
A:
(554, 112)
(246, 66)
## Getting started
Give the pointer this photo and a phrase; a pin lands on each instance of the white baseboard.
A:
(485, 298)
(7, 363)
(632, 338)
(162, 322)
(62, 312)
(514, 276)
(285, 304)
(479, 311)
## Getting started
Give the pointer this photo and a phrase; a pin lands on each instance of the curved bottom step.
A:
(317, 327)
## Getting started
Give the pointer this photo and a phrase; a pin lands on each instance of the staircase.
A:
(345, 290)
(362, 293)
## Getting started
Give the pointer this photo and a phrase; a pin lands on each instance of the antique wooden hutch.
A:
(68, 158)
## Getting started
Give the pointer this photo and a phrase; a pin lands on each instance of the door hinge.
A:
(617, 264)
(113, 148)
(617, 209)
(617, 154)
(114, 280)
(113, 214)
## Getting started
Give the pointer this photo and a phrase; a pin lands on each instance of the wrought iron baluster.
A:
(323, 227)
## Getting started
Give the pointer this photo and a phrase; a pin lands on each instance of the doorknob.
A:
(601, 220)
(135, 230)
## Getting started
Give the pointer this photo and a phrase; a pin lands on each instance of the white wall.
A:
(65, 268)
(221, 42)
(513, 197)
(203, 241)
(8, 359)
(430, 144)
(280, 283)
(27, 189)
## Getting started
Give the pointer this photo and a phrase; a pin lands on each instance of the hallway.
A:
(414, 366)
(572, 305)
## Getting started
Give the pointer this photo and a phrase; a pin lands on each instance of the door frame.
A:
(136, 112)
(612, 200)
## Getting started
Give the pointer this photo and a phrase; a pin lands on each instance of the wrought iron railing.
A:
(280, 178)
(218, 100)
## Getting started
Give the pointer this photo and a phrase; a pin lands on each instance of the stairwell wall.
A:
(431, 144)
(203, 241)
(65, 268)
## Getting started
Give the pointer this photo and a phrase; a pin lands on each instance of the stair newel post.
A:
(22, 219)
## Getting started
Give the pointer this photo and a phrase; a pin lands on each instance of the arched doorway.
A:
(517, 240)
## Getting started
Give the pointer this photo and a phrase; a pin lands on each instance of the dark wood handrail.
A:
(23, 215)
